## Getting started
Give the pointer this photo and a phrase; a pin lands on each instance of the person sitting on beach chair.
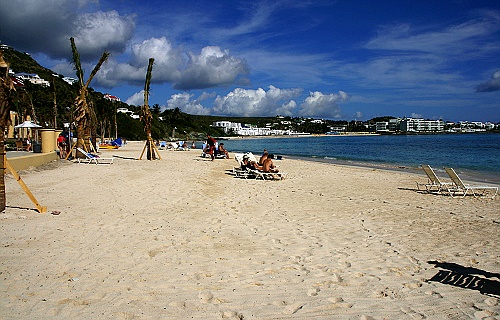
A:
(223, 150)
(263, 157)
(268, 165)
(248, 164)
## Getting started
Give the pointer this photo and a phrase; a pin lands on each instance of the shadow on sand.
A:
(467, 278)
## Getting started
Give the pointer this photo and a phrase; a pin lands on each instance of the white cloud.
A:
(112, 72)
(287, 108)
(491, 85)
(249, 103)
(415, 115)
(323, 105)
(32, 25)
(358, 115)
(167, 61)
(137, 99)
(99, 31)
(212, 68)
(449, 40)
(186, 104)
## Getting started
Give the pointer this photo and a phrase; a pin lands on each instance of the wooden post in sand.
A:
(25, 187)
(151, 147)
(147, 117)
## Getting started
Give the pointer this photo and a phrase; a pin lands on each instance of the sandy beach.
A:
(181, 238)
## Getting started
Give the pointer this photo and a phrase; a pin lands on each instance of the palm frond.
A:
(76, 62)
(103, 59)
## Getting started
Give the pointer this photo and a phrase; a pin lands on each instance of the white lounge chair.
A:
(253, 173)
(239, 171)
(434, 184)
(462, 188)
(268, 175)
(91, 158)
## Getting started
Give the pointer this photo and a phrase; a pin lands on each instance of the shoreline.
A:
(481, 177)
(476, 178)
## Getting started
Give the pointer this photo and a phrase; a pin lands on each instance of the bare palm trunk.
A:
(55, 103)
(6, 91)
(146, 115)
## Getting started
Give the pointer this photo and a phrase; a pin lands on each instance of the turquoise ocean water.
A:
(474, 156)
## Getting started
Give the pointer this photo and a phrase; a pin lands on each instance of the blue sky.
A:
(323, 59)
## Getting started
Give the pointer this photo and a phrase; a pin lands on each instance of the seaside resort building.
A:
(249, 130)
(421, 125)
(409, 125)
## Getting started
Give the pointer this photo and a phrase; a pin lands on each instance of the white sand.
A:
(181, 238)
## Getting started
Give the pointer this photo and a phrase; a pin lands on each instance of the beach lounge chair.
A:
(253, 173)
(268, 175)
(434, 184)
(163, 145)
(461, 188)
(239, 171)
(92, 158)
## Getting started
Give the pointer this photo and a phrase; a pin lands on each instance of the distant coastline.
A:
(301, 136)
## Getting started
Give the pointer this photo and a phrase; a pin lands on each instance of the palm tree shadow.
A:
(467, 278)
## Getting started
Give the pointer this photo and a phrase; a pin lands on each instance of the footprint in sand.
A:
(293, 308)
(206, 297)
(433, 294)
(412, 313)
(313, 292)
(232, 315)
(492, 301)
(338, 302)
(178, 304)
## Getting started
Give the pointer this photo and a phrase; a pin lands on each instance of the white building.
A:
(33, 78)
(249, 130)
(421, 126)
(227, 126)
(124, 110)
(111, 97)
(382, 126)
(70, 80)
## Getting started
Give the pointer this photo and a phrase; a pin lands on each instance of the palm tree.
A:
(147, 117)
(84, 114)
(6, 91)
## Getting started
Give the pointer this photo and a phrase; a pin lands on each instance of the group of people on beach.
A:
(212, 147)
(265, 163)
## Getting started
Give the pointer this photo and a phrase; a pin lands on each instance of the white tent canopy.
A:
(28, 124)
(26, 128)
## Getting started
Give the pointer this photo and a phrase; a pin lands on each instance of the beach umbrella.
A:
(28, 124)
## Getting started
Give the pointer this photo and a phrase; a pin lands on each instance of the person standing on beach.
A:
(211, 146)
(28, 144)
(61, 144)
